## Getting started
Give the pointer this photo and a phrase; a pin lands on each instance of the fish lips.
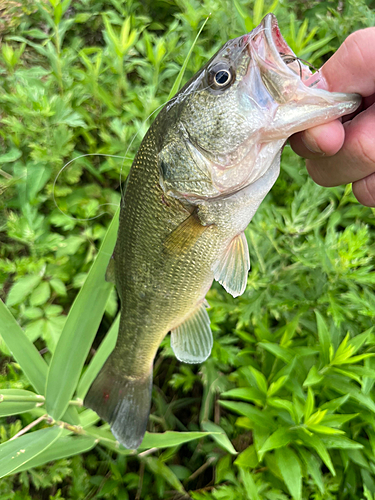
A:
(283, 75)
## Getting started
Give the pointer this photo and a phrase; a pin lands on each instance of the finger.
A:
(318, 141)
(364, 190)
(352, 66)
(355, 160)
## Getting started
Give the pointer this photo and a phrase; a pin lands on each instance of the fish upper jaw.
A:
(276, 82)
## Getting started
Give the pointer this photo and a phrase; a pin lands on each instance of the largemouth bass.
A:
(200, 174)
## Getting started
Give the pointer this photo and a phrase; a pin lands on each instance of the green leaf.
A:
(278, 439)
(23, 351)
(291, 472)
(248, 458)
(40, 295)
(161, 470)
(15, 401)
(15, 453)
(260, 418)
(63, 447)
(260, 379)
(282, 353)
(105, 349)
(79, 330)
(309, 406)
(21, 289)
(313, 377)
(313, 468)
(249, 484)
(58, 287)
(324, 337)
(12, 155)
(180, 75)
(318, 445)
(246, 393)
(219, 435)
(170, 438)
(323, 429)
(341, 442)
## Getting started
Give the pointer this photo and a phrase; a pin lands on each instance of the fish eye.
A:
(220, 76)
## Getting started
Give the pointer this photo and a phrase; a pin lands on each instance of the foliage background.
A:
(290, 380)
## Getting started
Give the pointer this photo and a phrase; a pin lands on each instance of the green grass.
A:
(284, 407)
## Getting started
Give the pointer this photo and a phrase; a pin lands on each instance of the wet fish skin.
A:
(201, 172)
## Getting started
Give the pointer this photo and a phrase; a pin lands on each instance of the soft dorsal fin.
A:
(232, 268)
(192, 340)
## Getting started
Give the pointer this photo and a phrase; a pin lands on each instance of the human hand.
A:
(339, 153)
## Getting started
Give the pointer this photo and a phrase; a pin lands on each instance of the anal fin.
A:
(232, 268)
(192, 340)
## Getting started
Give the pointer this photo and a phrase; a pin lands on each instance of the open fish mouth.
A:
(273, 52)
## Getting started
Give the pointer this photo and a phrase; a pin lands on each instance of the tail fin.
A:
(123, 401)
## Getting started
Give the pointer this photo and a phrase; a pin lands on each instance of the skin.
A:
(339, 153)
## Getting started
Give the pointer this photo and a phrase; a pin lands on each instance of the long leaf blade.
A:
(180, 75)
(23, 350)
(16, 401)
(79, 330)
(105, 349)
(16, 453)
(65, 446)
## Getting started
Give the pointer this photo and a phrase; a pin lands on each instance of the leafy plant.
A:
(284, 406)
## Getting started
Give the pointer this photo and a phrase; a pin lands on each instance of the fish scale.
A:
(200, 174)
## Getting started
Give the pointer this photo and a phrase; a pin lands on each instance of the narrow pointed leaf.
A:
(170, 438)
(324, 337)
(79, 331)
(290, 469)
(249, 484)
(16, 401)
(65, 446)
(105, 349)
(219, 435)
(23, 351)
(16, 453)
(180, 75)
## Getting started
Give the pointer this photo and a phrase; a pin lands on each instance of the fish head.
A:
(236, 113)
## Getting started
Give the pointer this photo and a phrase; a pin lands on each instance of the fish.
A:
(202, 170)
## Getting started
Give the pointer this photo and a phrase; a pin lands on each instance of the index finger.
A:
(352, 66)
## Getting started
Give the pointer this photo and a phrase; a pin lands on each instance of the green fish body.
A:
(201, 172)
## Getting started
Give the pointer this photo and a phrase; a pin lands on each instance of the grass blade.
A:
(219, 435)
(65, 446)
(105, 349)
(16, 453)
(79, 330)
(16, 401)
(23, 350)
(180, 75)
(170, 438)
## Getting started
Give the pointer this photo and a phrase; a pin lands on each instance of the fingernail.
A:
(310, 143)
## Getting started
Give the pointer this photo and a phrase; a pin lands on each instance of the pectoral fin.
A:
(185, 235)
(192, 340)
(232, 269)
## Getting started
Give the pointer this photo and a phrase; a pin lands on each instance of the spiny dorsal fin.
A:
(232, 268)
(184, 236)
(192, 340)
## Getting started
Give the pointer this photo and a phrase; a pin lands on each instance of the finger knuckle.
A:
(364, 190)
